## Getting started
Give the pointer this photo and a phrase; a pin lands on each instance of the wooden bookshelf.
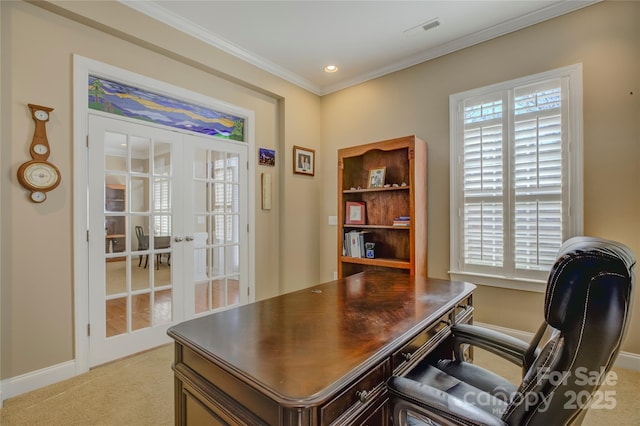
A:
(115, 207)
(400, 248)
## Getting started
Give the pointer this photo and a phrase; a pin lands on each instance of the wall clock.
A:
(38, 175)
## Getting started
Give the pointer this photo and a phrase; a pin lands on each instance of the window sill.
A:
(535, 286)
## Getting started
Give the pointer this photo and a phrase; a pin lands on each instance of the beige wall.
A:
(605, 38)
(37, 242)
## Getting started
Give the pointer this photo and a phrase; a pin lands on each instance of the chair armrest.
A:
(432, 403)
(504, 346)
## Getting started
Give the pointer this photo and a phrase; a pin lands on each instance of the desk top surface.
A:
(301, 346)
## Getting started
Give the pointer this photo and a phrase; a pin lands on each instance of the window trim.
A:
(575, 173)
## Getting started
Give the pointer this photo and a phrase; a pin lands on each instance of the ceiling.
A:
(295, 40)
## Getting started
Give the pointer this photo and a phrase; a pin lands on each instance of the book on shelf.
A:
(354, 244)
(402, 221)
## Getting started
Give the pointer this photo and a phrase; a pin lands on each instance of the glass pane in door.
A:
(216, 221)
(138, 219)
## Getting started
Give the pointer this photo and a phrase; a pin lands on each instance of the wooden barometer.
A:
(38, 175)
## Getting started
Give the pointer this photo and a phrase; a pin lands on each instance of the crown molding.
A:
(552, 11)
(159, 13)
(155, 11)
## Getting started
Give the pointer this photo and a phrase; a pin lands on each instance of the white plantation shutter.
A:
(515, 172)
(483, 177)
(161, 201)
(538, 174)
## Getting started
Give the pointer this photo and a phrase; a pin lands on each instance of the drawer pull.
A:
(406, 355)
(362, 395)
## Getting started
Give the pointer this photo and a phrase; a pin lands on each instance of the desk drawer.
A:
(356, 397)
(423, 342)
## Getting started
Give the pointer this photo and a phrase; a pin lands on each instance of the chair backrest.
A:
(588, 305)
(143, 243)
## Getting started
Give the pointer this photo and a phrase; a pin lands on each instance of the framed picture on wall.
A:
(266, 157)
(304, 161)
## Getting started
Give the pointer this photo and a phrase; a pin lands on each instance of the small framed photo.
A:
(376, 177)
(304, 161)
(355, 213)
(266, 157)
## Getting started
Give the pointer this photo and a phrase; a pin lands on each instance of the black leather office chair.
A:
(587, 310)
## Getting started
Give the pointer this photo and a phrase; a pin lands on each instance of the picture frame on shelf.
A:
(355, 213)
(304, 161)
(376, 177)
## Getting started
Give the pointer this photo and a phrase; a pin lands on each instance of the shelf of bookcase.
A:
(378, 261)
(391, 188)
(352, 226)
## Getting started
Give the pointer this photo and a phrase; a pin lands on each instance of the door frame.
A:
(82, 67)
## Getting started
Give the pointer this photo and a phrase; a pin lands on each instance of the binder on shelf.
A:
(354, 244)
(361, 244)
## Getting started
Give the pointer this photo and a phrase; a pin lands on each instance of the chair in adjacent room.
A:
(143, 244)
(586, 311)
(159, 243)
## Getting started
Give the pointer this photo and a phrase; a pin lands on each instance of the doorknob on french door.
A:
(189, 238)
(178, 239)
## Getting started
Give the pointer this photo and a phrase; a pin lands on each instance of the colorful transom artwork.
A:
(128, 101)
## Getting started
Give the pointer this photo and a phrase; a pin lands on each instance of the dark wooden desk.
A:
(317, 356)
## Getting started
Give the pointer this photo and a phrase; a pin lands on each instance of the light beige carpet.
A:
(138, 391)
(134, 391)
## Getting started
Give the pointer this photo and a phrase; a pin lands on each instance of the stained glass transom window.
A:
(128, 101)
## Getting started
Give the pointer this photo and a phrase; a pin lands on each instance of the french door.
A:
(168, 236)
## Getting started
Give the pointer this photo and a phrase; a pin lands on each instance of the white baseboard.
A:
(627, 360)
(28, 382)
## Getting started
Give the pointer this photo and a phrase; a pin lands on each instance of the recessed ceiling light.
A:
(330, 68)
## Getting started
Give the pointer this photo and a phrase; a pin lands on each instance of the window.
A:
(161, 203)
(516, 176)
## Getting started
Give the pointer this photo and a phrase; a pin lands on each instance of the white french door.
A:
(167, 232)
(215, 225)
